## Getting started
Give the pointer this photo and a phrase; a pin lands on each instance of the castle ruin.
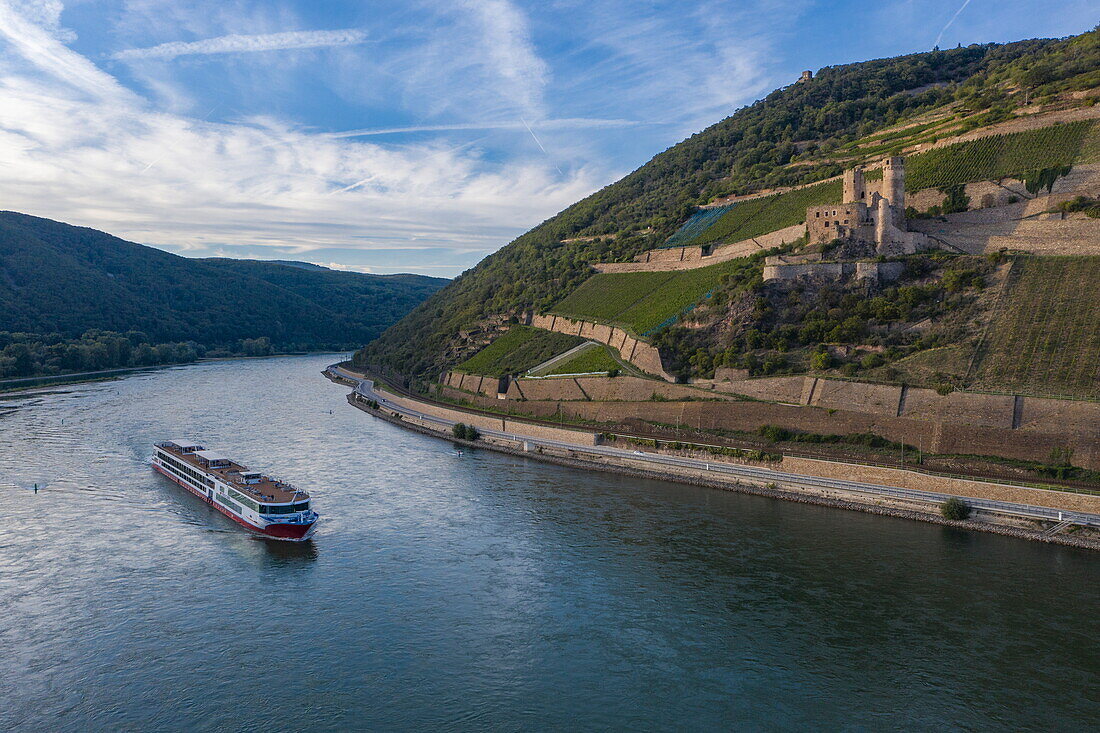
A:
(877, 218)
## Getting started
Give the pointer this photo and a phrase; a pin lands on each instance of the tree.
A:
(955, 509)
(22, 362)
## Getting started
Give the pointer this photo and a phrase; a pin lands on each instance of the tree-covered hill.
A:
(62, 280)
(797, 134)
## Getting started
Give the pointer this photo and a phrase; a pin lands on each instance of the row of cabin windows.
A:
(222, 500)
(185, 470)
(286, 509)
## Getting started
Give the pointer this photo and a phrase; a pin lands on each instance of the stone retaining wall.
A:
(689, 258)
(638, 353)
(623, 388)
(503, 424)
(960, 422)
(917, 481)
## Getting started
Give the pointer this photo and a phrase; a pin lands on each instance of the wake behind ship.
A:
(260, 503)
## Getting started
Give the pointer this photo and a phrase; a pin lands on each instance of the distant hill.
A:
(295, 263)
(66, 280)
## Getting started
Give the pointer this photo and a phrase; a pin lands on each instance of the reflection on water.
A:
(486, 591)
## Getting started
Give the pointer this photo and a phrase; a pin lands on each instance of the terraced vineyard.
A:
(641, 302)
(1046, 340)
(589, 361)
(1000, 156)
(755, 217)
(521, 348)
(699, 222)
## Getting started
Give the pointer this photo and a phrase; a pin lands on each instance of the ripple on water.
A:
(446, 591)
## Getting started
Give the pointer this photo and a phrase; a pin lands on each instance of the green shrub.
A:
(870, 361)
(462, 431)
(774, 433)
(955, 509)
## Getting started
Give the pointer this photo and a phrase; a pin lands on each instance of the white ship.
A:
(258, 502)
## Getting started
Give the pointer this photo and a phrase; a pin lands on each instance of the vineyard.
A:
(517, 351)
(1000, 156)
(1047, 339)
(642, 302)
(595, 359)
(755, 217)
(696, 225)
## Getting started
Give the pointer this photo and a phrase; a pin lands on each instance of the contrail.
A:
(948, 25)
(162, 157)
(357, 184)
(535, 138)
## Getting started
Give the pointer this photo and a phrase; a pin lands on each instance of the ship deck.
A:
(266, 489)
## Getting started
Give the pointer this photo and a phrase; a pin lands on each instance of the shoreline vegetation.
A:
(19, 384)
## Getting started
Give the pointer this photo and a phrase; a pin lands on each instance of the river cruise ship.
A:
(258, 502)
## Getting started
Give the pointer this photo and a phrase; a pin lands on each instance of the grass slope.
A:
(1046, 339)
(642, 301)
(595, 359)
(755, 217)
(517, 350)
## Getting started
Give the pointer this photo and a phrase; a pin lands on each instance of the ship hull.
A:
(286, 532)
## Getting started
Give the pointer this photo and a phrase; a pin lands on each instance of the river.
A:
(475, 590)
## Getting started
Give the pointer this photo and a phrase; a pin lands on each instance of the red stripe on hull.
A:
(276, 531)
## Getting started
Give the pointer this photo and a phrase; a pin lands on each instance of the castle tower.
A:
(854, 190)
(893, 182)
(883, 220)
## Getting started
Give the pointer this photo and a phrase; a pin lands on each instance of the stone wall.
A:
(836, 271)
(834, 221)
(689, 258)
(638, 353)
(488, 386)
(608, 389)
(874, 399)
(963, 408)
(917, 481)
(984, 431)
(503, 424)
(1069, 236)
(778, 389)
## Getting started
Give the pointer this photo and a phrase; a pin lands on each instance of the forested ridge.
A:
(73, 298)
(797, 134)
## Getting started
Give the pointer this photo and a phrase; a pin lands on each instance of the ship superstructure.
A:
(260, 503)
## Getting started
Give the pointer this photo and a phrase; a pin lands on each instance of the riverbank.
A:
(19, 384)
(825, 490)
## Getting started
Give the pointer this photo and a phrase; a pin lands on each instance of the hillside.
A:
(59, 282)
(966, 119)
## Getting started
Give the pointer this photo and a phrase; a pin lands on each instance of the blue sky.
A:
(401, 136)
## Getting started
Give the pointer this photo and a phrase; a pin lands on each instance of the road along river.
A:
(487, 591)
(365, 389)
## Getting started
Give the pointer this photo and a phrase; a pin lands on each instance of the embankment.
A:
(576, 455)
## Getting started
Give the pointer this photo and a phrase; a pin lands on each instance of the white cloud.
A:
(510, 53)
(104, 158)
(246, 44)
(566, 123)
